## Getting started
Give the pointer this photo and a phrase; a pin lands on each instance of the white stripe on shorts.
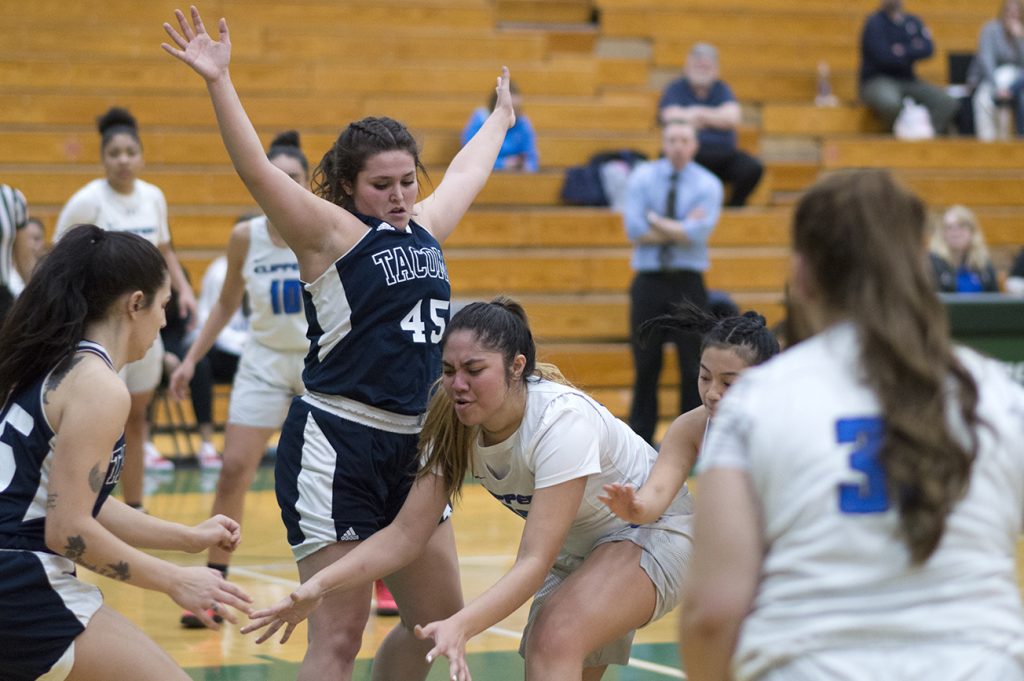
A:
(316, 486)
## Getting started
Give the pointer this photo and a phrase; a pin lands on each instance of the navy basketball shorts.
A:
(338, 479)
(45, 607)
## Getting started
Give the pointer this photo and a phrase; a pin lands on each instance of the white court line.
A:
(252, 574)
(652, 667)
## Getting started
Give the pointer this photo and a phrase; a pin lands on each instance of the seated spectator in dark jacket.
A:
(890, 44)
(1015, 278)
(959, 255)
(702, 100)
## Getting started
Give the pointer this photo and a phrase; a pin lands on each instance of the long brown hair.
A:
(500, 326)
(862, 237)
(72, 286)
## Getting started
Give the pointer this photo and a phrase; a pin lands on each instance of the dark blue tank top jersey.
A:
(45, 606)
(25, 456)
(376, 319)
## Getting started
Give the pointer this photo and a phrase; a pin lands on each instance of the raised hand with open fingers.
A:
(208, 57)
(623, 501)
(449, 641)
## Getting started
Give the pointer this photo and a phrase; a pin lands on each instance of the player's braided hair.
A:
(861, 236)
(747, 333)
(334, 178)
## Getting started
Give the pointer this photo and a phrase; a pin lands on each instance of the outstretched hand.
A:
(196, 48)
(503, 103)
(449, 640)
(287, 612)
(622, 500)
(199, 589)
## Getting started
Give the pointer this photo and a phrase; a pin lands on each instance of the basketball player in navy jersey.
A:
(93, 305)
(376, 294)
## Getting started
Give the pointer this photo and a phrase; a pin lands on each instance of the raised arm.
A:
(465, 177)
(676, 457)
(317, 230)
(88, 429)
(552, 512)
(386, 551)
(231, 294)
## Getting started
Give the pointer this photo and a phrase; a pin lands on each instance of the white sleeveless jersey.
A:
(565, 435)
(272, 281)
(836, 572)
(143, 212)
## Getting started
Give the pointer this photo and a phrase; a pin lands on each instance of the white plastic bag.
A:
(914, 122)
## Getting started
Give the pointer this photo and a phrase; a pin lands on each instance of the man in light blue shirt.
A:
(672, 207)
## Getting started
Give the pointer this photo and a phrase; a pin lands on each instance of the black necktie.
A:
(665, 252)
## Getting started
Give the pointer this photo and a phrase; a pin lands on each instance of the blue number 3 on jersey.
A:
(871, 495)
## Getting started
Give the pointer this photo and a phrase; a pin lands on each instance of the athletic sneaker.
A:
(386, 605)
(190, 621)
(155, 461)
(208, 457)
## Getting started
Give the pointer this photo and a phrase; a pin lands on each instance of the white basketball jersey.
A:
(836, 572)
(566, 435)
(271, 274)
(143, 212)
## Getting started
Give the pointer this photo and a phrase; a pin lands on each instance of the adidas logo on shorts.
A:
(350, 535)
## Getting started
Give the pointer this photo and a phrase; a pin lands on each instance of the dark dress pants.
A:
(655, 294)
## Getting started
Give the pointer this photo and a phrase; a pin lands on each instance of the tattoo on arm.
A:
(75, 548)
(59, 374)
(96, 478)
(120, 571)
(51, 502)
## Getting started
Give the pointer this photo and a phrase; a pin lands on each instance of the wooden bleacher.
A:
(314, 65)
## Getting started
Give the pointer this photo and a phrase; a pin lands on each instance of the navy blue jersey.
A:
(376, 318)
(26, 454)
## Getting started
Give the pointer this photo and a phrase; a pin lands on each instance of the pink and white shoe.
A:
(209, 459)
(155, 461)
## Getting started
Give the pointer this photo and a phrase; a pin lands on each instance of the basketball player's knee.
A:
(553, 635)
(234, 473)
(340, 640)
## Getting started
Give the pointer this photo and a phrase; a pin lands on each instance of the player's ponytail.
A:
(861, 240)
(72, 286)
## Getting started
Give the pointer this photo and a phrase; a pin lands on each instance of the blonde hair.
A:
(445, 446)
(977, 256)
